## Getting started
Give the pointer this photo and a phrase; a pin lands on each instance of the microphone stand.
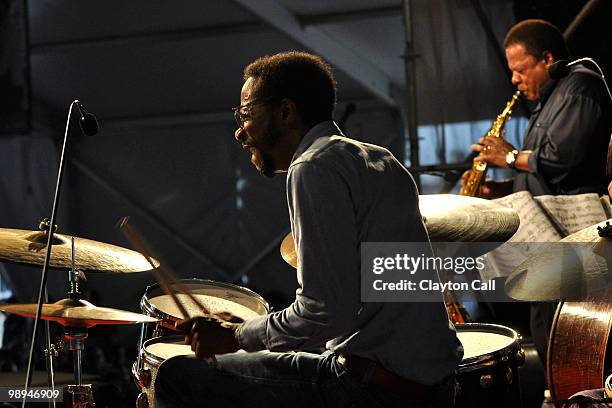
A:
(42, 291)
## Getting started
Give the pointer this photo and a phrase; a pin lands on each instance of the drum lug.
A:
(509, 376)
(158, 331)
(144, 377)
(486, 380)
(142, 401)
(520, 358)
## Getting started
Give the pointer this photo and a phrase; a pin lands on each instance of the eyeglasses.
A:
(242, 117)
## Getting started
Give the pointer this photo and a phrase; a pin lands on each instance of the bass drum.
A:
(488, 373)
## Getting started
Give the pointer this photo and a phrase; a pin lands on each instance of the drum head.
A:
(162, 348)
(484, 340)
(216, 296)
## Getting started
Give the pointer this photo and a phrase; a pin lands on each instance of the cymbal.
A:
(451, 218)
(28, 247)
(77, 313)
(573, 268)
(456, 218)
(287, 250)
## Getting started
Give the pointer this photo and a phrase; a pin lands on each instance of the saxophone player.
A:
(566, 139)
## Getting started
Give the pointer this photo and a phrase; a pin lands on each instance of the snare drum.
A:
(152, 354)
(216, 296)
(488, 373)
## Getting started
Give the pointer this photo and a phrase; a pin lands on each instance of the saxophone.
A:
(479, 168)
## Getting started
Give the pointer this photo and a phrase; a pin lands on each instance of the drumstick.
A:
(134, 237)
(162, 274)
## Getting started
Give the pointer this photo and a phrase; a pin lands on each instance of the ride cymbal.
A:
(77, 313)
(574, 268)
(28, 247)
(456, 218)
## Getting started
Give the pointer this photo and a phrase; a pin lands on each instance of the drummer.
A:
(340, 193)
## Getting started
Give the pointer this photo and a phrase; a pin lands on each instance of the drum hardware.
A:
(76, 315)
(142, 401)
(605, 231)
(486, 380)
(81, 396)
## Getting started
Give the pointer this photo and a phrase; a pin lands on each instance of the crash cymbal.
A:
(28, 247)
(77, 313)
(574, 268)
(451, 218)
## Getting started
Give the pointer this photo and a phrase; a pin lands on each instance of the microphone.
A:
(561, 68)
(87, 121)
(558, 69)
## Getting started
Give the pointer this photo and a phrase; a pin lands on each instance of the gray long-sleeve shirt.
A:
(341, 193)
(568, 132)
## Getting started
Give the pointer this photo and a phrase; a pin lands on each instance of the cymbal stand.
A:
(81, 395)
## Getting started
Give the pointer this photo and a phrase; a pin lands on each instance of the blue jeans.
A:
(267, 379)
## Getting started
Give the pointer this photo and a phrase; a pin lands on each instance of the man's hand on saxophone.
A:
(493, 150)
(498, 152)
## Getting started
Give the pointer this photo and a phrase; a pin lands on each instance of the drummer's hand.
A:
(209, 336)
(610, 189)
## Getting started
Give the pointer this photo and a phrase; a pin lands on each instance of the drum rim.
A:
(475, 362)
(149, 357)
(151, 310)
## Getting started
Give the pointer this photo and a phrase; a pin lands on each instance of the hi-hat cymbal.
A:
(28, 247)
(451, 218)
(574, 268)
(77, 313)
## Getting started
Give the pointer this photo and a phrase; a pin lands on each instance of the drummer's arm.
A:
(327, 301)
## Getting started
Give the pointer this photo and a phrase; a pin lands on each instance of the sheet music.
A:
(535, 228)
(535, 225)
(574, 212)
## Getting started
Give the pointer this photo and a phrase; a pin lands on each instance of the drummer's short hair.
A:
(304, 78)
(538, 37)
